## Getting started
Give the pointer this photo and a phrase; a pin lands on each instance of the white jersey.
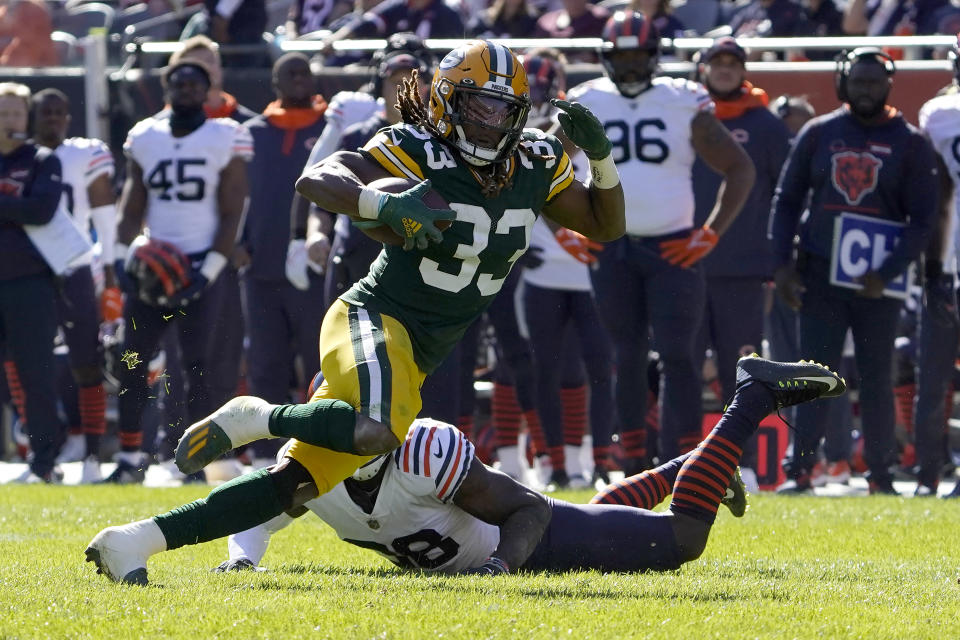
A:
(940, 121)
(182, 176)
(652, 148)
(345, 109)
(559, 270)
(83, 160)
(414, 522)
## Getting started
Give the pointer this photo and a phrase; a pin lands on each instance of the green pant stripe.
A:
(386, 373)
(363, 371)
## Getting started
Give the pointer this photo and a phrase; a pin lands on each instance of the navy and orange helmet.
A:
(159, 270)
(630, 31)
(547, 79)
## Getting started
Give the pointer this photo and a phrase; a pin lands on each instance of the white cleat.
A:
(238, 422)
(90, 473)
(73, 450)
(121, 553)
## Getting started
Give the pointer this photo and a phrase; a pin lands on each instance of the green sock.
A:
(325, 423)
(232, 507)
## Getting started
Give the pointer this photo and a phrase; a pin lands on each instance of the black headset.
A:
(845, 60)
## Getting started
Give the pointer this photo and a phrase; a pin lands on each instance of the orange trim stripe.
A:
(456, 465)
(692, 499)
(692, 473)
(426, 452)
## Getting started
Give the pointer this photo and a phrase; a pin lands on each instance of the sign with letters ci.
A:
(861, 244)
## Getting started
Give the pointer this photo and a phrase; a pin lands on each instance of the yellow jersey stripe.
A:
(562, 181)
(393, 158)
(396, 169)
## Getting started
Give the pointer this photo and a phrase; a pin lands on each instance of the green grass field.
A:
(792, 568)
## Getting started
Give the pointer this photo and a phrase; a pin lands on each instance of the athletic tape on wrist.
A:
(121, 252)
(370, 202)
(603, 173)
(213, 264)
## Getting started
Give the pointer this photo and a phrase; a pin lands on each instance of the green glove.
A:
(411, 218)
(583, 129)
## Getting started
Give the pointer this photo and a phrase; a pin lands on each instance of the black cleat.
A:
(558, 480)
(790, 382)
(126, 473)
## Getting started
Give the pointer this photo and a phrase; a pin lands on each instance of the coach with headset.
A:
(871, 179)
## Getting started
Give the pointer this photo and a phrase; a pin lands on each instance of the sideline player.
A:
(88, 189)
(449, 514)
(381, 339)
(650, 279)
(30, 191)
(938, 331)
(880, 182)
(186, 183)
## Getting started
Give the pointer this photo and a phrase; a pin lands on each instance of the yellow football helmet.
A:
(479, 101)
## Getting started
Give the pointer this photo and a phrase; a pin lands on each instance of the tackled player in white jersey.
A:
(430, 505)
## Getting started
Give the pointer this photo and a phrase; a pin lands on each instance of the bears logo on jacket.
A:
(855, 174)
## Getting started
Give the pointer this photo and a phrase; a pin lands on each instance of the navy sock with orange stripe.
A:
(706, 474)
(644, 490)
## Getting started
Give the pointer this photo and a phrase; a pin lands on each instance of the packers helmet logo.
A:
(855, 174)
(454, 58)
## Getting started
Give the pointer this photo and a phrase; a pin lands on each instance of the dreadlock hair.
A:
(414, 112)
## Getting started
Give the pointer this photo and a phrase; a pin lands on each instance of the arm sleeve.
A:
(40, 198)
(918, 199)
(790, 198)
(252, 543)
(105, 222)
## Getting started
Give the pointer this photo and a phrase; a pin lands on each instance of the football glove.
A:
(296, 265)
(111, 304)
(577, 245)
(940, 301)
(686, 252)
(583, 128)
(191, 292)
(410, 218)
(493, 566)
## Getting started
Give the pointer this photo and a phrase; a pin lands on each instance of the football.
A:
(431, 198)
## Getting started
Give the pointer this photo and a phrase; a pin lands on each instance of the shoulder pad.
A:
(400, 149)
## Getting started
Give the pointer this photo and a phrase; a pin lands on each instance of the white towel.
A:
(59, 241)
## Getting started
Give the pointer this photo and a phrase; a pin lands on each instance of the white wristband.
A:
(368, 206)
(213, 264)
(105, 222)
(121, 252)
(603, 173)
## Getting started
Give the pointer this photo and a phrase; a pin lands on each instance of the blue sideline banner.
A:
(861, 244)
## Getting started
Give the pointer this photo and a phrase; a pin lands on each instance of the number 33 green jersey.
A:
(437, 293)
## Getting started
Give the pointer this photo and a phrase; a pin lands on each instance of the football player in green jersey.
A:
(382, 337)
